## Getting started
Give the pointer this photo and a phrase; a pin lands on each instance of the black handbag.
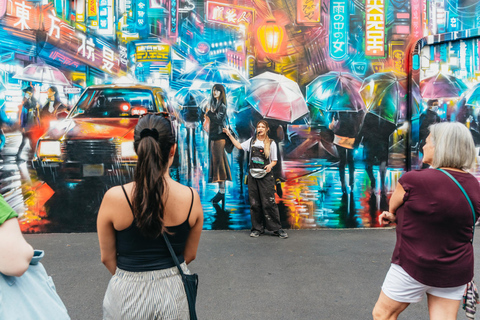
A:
(190, 282)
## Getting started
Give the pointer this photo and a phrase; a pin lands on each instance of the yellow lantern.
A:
(270, 36)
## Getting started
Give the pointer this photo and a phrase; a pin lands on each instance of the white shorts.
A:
(401, 287)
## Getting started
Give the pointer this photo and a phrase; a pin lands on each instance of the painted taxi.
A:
(95, 140)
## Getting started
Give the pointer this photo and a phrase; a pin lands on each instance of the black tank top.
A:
(137, 253)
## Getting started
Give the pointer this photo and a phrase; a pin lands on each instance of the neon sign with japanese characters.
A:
(149, 52)
(308, 12)
(375, 28)
(228, 14)
(338, 37)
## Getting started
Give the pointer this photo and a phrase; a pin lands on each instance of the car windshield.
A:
(118, 102)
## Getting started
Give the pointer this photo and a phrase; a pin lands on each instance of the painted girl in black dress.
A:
(219, 171)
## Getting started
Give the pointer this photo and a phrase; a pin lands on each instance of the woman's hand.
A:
(225, 130)
(386, 217)
(268, 167)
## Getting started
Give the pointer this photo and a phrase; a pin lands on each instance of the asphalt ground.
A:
(314, 274)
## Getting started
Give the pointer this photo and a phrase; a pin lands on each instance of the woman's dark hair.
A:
(154, 139)
(55, 91)
(223, 96)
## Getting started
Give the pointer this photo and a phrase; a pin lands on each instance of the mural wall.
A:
(330, 77)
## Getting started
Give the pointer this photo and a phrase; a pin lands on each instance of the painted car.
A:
(95, 140)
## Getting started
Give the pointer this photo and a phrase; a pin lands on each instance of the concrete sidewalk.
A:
(314, 274)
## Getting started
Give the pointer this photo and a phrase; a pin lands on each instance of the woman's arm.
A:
(106, 232)
(387, 217)
(269, 166)
(15, 252)
(235, 142)
(191, 247)
(397, 198)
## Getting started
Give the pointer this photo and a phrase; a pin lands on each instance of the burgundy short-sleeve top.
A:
(434, 227)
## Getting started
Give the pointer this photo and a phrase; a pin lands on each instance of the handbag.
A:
(31, 296)
(470, 297)
(190, 282)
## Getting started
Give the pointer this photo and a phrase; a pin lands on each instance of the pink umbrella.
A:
(442, 86)
(42, 73)
(276, 97)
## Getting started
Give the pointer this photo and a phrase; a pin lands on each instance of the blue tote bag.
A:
(32, 296)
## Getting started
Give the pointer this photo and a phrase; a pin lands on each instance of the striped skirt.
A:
(146, 295)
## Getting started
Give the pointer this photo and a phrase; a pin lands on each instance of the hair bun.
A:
(147, 132)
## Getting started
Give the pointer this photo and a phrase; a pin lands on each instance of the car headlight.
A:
(49, 148)
(127, 150)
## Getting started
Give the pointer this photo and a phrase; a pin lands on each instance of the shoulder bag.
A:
(257, 173)
(190, 282)
(470, 297)
(31, 296)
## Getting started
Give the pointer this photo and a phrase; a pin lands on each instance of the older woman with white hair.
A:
(433, 254)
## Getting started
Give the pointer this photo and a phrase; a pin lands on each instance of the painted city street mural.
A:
(348, 89)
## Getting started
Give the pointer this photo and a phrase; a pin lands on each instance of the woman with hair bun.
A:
(132, 218)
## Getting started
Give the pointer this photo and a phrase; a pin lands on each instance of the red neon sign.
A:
(228, 14)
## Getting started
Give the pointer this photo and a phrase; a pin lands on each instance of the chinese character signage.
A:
(92, 13)
(228, 14)
(417, 31)
(338, 37)
(308, 12)
(141, 15)
(173, 20)
(105, 17)
(149, 52)
(375, 28)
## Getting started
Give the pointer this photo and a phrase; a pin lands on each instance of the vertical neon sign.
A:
(338, 38)
(173, 20)
(375, 28)
(417, 31)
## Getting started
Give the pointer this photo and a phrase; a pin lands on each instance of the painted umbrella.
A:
(276, 97)
(204, 77)
(191, 97)
(335, 92)
(469, 103)
(442, 86)
(384, 95)
(43, 73)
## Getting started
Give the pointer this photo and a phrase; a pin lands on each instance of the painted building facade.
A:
(346, 87)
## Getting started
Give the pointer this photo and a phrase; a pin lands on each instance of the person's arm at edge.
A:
(193, 239)
(235, 142)
(387, 217)
(106, 232)
(397, 198)
(15, 252)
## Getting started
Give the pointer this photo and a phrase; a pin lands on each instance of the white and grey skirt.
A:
(149, 295)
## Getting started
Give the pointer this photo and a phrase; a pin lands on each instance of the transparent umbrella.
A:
(384, 95)
(204, 77)
(42, 73)
(336, 92)
(276, 97)
(442, 86)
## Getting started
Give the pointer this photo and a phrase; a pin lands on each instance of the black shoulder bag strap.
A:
(466, 196)
(190, 281)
